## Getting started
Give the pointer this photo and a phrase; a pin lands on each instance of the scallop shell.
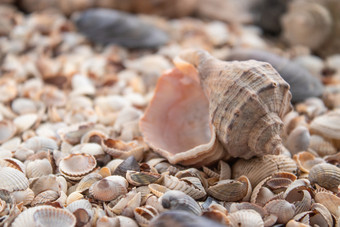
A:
(195, 191)
(177, 200)
(298, 140)
(7, 130)
(120, 149)
(158, 189)
(12, 179)
(13, 163)
(106, 190)
(38, 143)
(38, 168)
(50, 216)
(305, 161)
(302, 84)
(282, 209)
(257, 169)
(321, 146)
(26, 197)
(76, 166)
(74, 196)
(327, 125)
(45, 197)
(141, 178)
(326, 176)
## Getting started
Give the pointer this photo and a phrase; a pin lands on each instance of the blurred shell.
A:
(25, 218)
(12, 179)
(327, 125)
(257, 169)
(25, 121)
(44, 183)
(326, 176)
(177, 200)
(38, 143)
(305, 19)
(143, 215)
(82, 85)
(119, 221)
(38, 168)
(302, 84)
(13, 163)
(24, 106)
(7, 130)
(128, 164)
(8, 89)
(245, 218)
(329, 200)
(185, 113)
(45, 197)
(119, 28)
(229, 112)
(26, 196)
(282, 209)
(74, 196)
(158, 189)
(322, 146)
(298, 140)
(306, 160)
(50, 216)
(120, 149)
(106, 190)
(73, 133)
(79, 204)
(76, 166)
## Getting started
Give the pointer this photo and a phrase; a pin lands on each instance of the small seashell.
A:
(106, 190)
(25, 218)
(114, 163)
(326, 125)
(8, 89)
(38, 168)
(282, 209)
(25, 121)
(76, 166)
(141, 178)
(298, 140)
(12, 179)
(120, 149)
(24, 106)
(50, 216)
(177, 200)
(119, 221)
(181, 218)
(79, 204)
(13, 163)
(305, 161)
(26, 197)
(128, 164)
(38, 143)
(143, 215)
(321, 146)
(228, 190)
(157, 189)
(44, 183)
(7, 130)
(93, 136)
(74, 196)
(82, 85)
(82, 217)
(122, 29)
(45, 197)
(196, 190)
(326, 176)
(257, 169)
(74, 133)
(245, 218)
(329, 200)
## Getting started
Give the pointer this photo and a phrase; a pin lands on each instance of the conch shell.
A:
(206, 103)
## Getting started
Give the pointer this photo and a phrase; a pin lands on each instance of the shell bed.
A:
(168, 123)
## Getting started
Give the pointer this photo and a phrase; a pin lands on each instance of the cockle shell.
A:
(7, 130)
(12, 179)
(106, 190)
(177, 200)
(224, 105)
(76, 166)
(327, 125)
(143, 215)
(326, 176)
(246, 218)
(53, 217)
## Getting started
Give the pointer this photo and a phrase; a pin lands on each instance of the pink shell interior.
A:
(177, 118)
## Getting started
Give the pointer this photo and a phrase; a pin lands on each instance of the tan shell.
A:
(75, 166)
(305, 161)
(74, 196)
(45, 197)
(257, 169)
(227, 112)
(143, 215)
(7, 130)
(177, 200)
(326, 176)
(12, 179)
(38, 168)
(38, 143)
(246, 218)
(196, 191)
(106, 190)
(54, 217)
(13, 163)
(330, 201)
(282, 209)
(158, 189)
(26, 197)
(298, 140)
(327, 125)
(141, 178)
(44, 183)
(120, 149)
(229, 190)
(321, 146)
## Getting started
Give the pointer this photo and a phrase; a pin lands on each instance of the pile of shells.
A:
(94, 135)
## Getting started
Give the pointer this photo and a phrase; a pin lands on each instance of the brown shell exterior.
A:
(247, 101)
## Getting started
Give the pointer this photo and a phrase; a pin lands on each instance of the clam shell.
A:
(44, 183)
(86, 182)
(241, 98)
(245, 218)
(120, 149)
(321, 146)
(185, 186)
(12, 179)
(298, 140)
(38, 168)
(45, 197)
(50, 216)
(329, 200)
(158, 189)
(76, 166)
(25, 218)
(74, 196)
(106, 190)
(25, 121)
(13, 163)
(79, 204)
(282, 209)
(326, 125)
(26, 197)
(257, 169)
(305, 161)
(228, 190)
(38, 143)
(128, 164)
(7, 130)
(325, 175)
(177, 200)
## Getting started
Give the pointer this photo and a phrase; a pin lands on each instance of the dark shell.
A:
(106, 26)
(302, 84)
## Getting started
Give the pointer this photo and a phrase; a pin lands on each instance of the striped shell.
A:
(75, 166)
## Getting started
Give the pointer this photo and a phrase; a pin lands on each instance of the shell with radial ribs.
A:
(238, 98)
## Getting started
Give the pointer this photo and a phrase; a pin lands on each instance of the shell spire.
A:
(247, 101)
